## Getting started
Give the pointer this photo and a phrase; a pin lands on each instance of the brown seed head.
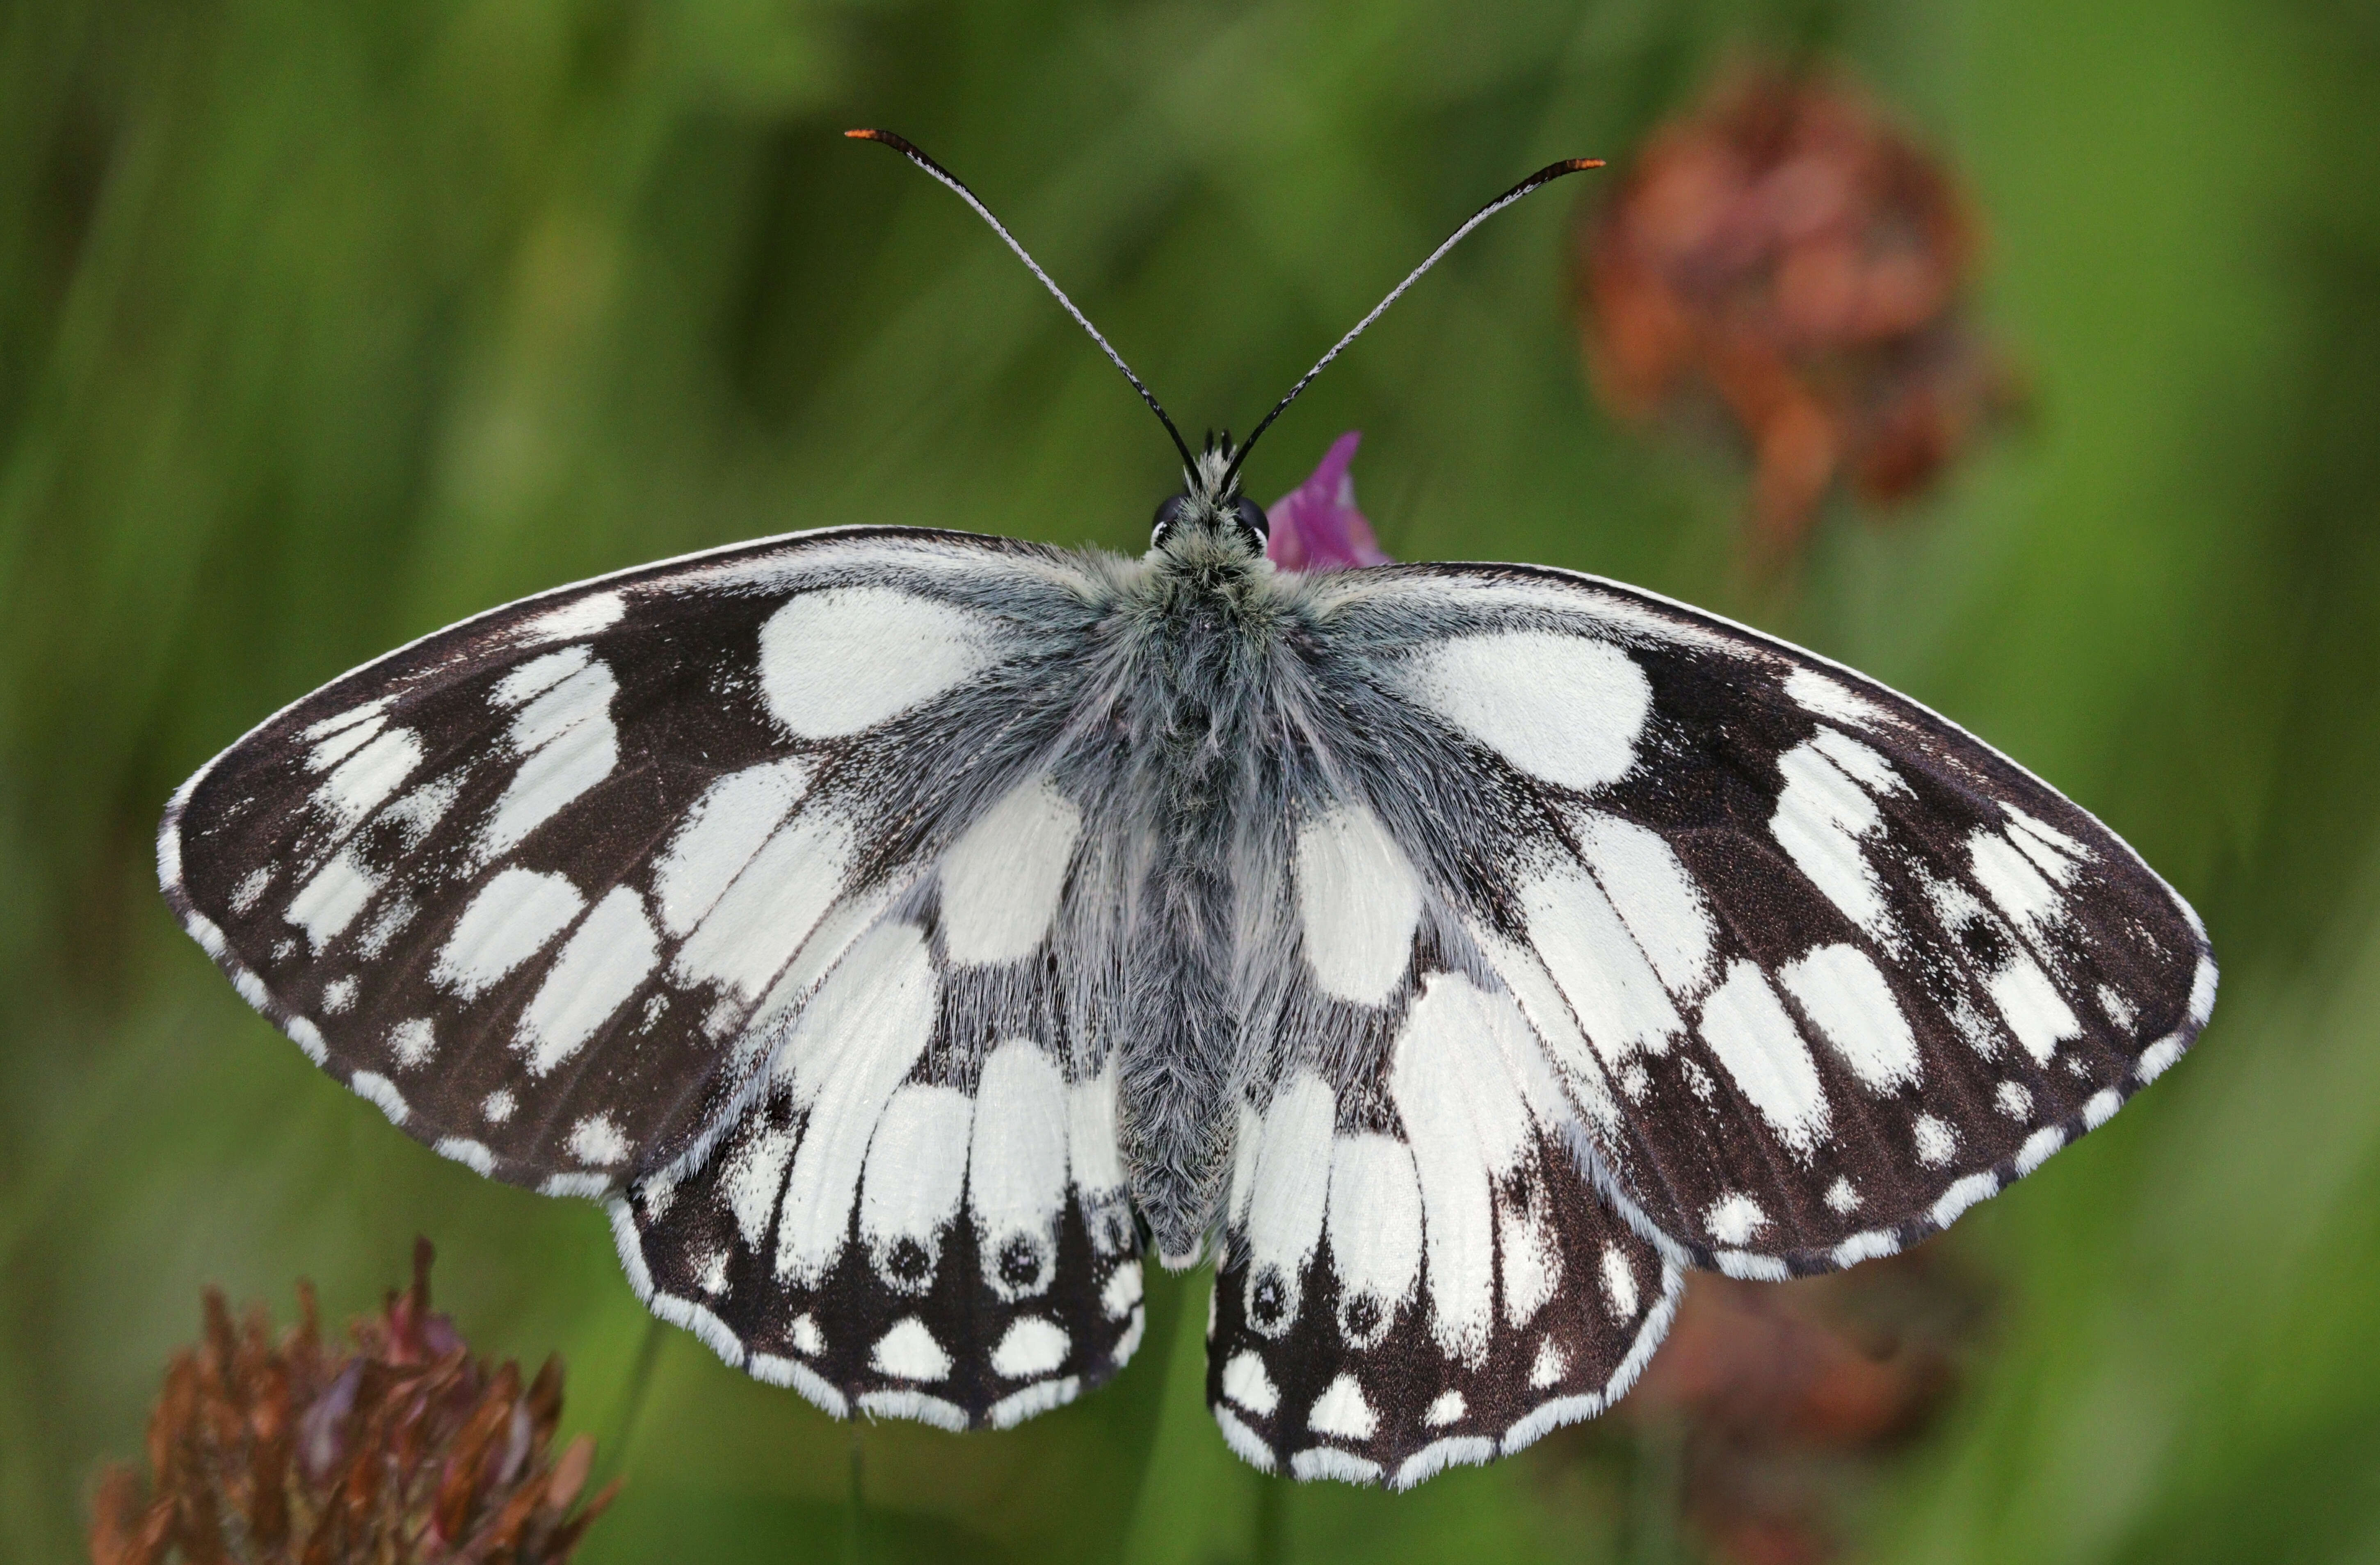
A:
(407, 1448)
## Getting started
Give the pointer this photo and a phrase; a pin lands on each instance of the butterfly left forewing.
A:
(1820, 969)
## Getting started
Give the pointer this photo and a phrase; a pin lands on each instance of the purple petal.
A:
(1315, 526)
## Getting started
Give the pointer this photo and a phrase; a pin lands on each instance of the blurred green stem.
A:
(1656, 1493)
(613, 1452)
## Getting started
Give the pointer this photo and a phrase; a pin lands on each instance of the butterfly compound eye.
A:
(1171, 513)
(1251, 515)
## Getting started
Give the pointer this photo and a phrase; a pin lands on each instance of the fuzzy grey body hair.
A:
(1201, 647)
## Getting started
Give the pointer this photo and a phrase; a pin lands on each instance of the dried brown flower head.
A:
(1790, 254)
(406, 1449)
(1785, 1394)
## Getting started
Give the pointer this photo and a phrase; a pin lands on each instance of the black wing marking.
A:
(1819, 969)
(922, 1213)
(546, 884)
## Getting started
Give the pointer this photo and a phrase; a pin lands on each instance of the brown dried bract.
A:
(1791, 255)
(406, 1449)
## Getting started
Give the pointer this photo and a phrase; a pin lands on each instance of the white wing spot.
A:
(2052, 851)
(753, 1178)
(2038, 1148)
(908, 1351)
(1599, 966)
(2157, 1058)
(805, 1336)
(537, 675)
(1341, 1411)
(1734, 1219)
(2033, 1008)
(1819, 824)
(498, 1106)
(1962, 1195)
(1129, 1343)
(1746, 1027)
(2014, 1099)
(1620, 1283)
(834, 663)
(344, 738)
(1564, 708)
(326, 905)
(412, 1042)
(1843, 1197)
(1840, 990)
(386, 925)
(1815, 693)
(359, 784)
(419, 813)
(1358, 904)
(2118, 1010)
(365, 713)
(1001, 879)
(852, 1047)
(1654, 895)
(1533, 1267)
(600, 968)
(1246, 1382)
(1290, 1191)
(251, 890)
(1858, 762)
(1552, 1365)
(764, 916)
(567, 744)
(1123, 1291)
(1016, 1167)
(510, 921)
(339, 995)
(1468, 1125)
(1374, 1227)
(1937, 1142)
(1032, 1345)
(597, 611)
(728, 824)
(917, 1171)
(1449, 1407)
(2013, 883)
(472, 1155)
(1821, 816)
(597, 1142)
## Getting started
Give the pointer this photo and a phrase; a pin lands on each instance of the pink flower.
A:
(1315, 526)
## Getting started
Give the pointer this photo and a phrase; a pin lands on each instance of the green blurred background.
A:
(323, 325)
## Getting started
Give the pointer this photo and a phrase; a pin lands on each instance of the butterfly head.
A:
(1210, 504)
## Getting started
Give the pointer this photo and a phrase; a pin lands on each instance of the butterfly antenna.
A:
(909, 150)
(1545, 175)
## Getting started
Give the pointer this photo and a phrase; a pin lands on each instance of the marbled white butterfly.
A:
(902, 929)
